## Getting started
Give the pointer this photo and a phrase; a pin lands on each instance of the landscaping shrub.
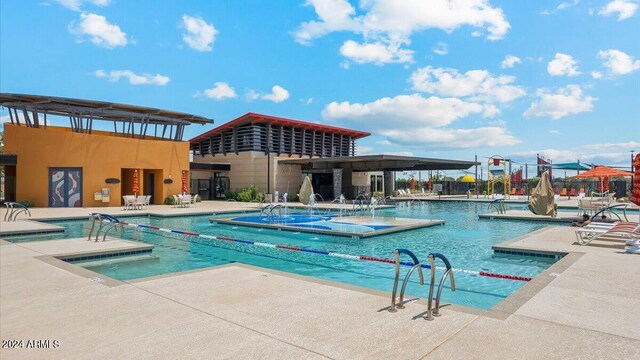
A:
(246, 194)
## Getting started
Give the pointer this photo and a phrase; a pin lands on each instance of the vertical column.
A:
(388, 183)
(337, 182)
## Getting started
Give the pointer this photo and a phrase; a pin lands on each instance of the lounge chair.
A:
(630, 232)
(522, 192)
(563, 192)
(572, 192)
(176, 201)
(513, 191)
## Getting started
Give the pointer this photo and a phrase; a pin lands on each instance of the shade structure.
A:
(602, 173)
(635, 193)
(467, 179)
(184, 182)
(135, 187)
(542, 202)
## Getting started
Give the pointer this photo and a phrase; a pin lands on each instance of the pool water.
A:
(464, 239)
(318, 222)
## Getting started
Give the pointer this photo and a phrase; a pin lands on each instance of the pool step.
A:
(117, 260)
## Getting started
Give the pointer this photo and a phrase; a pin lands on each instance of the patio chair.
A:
(563, 192)
(572, 192)
(522, 192)
(129, 202)
(147, 200)
(186, 200)
(140, 202)
(513, 191)
(176, 201)
(586, 206)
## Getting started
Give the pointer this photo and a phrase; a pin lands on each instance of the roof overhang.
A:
(8, 159)
(98, 110)
(381, 163)
(254, 118)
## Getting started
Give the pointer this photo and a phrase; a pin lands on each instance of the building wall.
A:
(100, 156)
(250, 168)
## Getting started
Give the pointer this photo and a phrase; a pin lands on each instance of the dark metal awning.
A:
(209, 166)
(8, 159)
(381, 163)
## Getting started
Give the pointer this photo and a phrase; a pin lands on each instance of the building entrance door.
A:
(65, 187)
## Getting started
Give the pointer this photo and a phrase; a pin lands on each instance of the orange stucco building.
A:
(81, 167)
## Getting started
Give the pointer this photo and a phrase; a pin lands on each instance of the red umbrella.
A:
(430, 184)
(136, 182)
(635, 193)
(603, 173)
(184, 182)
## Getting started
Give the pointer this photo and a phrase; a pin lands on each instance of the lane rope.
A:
(322, 252)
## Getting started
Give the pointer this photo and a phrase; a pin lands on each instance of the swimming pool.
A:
(465, 240)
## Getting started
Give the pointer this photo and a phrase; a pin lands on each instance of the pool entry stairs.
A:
(398, 303)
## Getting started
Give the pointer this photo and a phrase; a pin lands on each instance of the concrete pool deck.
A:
(584, 306)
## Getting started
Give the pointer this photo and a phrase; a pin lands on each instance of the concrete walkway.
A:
(583, 307)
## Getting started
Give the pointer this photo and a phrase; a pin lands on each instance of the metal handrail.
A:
(111, 221)
(431, 312)
(416, 265)
(498, 204)
(14, 209)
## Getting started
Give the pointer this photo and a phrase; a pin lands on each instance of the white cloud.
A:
(99, 30)
(608, 146)
(75, 5)
(377, 53)
(596, 74)
(403, 111)
(384, 142)
(478, 85)
(392, 22)
(398, 153)
(563, 65)
(278, 94)
(618, 62)
(441, 48)
(624, 8)
(567, 4)
(498, 122)
(554, 132)
(219, 91)
(308, 101)
(364, 150)
(510, 61)
(199, 35)
(452, 138)
(566, 101)
(134, 79)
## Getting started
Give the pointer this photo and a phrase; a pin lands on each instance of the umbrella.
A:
(306, 190)
(635, 193)
(603, 173)
(184, 181)
(430, 184)
(542, 202)
(136, 182)
(467, 179)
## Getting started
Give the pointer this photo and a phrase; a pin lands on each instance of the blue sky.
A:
(439, 78)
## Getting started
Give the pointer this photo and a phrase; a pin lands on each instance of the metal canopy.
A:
(381, 163)
(81, 114)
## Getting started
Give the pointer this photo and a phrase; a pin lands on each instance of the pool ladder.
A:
(110, 221)
(398, 303)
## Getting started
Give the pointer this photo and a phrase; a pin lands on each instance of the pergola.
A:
(128, 120)
(381, 163)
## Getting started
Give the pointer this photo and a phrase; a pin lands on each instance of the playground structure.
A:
(498, 173)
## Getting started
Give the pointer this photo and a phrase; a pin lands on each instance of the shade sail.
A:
(603, 172)
(571, 166)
